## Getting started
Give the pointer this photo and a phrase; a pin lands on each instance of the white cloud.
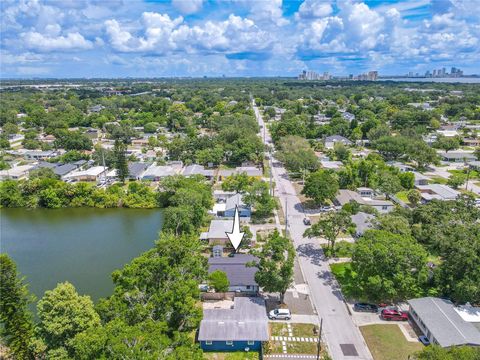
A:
(44, 43)
(313, 9)
(160, 34)
(187, 6)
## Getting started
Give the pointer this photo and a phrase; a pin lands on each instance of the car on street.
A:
(280, 314)
(364, 307)
(395, 315)
(424, 340)
(307, 221)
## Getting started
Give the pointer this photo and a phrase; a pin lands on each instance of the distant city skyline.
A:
(161, 38)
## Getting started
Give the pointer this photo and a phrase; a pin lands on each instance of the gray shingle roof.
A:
(235, 200)
(363, 221)
(235, 267)
(445, 324)
(247, 321)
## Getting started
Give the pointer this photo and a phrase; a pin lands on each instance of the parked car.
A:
(364, 307)
(307, 221)
(395, 315)
(280, 314)
(424, 340)
(327, 208)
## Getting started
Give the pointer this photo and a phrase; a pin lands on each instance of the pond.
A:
(79, 245)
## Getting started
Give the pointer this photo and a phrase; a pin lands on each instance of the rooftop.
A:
(445, 324)
(235, 267)
(218, 228)
(246, 321)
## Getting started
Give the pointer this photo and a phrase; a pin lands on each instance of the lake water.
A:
(79, 245)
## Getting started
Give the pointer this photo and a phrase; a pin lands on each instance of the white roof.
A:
(469, 313)
(16, 171)
(93, 171)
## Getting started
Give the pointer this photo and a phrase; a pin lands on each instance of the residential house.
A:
(330, 141)
(240, 276)
(331, 165)
(471, 142)
(222, 196)
(216, 234)
(457, 156)
(241, 328)
(348, 116)
(249, 170)
(363, 222)
(94, 173)
(244, 211)
(400, 166)
(346, 196)
(196, 169)
(420, 179)
(436, 191)
(16, 172)
(39, 155)
(366, 192)
(442, 323)
(157, 172)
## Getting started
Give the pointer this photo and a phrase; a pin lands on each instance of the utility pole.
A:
(286, 215)
(319, 344)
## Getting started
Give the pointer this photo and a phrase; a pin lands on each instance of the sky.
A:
(165, 38)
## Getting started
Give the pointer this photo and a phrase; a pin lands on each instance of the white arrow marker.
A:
(235, 236)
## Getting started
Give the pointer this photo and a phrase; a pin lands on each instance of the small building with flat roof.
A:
(241, 328)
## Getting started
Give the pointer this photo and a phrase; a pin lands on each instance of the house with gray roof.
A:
(249, 170)
(330, 141)
(217, 232)
(436, 191)
(240, 276)
(363, 222)
(196, 169)
(442, 324)
(241, 328)
(346, 196)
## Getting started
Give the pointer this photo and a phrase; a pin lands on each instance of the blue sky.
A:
(155, 38)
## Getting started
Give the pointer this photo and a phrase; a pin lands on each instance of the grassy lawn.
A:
(387, 342)
(343, 249)
(230, 356)
(293, 347)
(402, 195)
(437, 180)
(298, 330)
(345, 277)
(304, 330)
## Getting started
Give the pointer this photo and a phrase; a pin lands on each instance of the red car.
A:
(395, 315)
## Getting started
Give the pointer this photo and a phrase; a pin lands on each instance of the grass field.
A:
(345, 277)
(387, 342)
(230, 356)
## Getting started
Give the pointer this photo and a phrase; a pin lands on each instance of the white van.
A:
(280, 314)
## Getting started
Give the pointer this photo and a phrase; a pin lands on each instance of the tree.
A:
(414, 197)
(477, 153)
(218, 280)
(63, 313)
(320, 186)
(389, 267)
(330, 226)
(447, 143)
(120, 163)
(435, 352)
(407, 180)
(16, 330)
(456, 180)
(275, 264)
(297, 155)
(237, 182)
(395, 224)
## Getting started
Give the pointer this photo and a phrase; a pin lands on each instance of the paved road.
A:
(342, 336)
